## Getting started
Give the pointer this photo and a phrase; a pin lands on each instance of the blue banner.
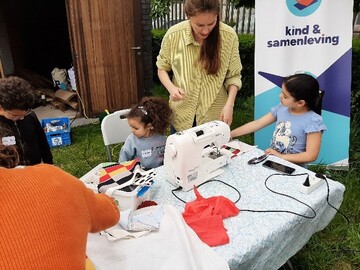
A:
(313, 36)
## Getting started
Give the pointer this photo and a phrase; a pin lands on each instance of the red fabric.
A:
(205, 216)
(146, 204)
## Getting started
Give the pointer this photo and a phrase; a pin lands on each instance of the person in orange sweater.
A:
(46, 215)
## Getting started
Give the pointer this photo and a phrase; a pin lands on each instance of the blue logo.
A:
(303, 8)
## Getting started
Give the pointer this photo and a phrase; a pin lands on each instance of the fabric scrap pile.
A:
(126, 176)
(136, 223)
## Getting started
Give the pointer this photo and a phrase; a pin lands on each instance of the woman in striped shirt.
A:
(203, 55)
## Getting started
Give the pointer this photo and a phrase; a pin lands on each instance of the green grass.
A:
(86, 150)
(322, 252)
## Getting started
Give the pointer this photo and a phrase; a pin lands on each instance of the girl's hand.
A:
(177, 94)
(273, 152)
(227, 114)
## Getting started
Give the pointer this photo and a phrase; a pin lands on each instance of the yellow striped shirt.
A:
(205, 95)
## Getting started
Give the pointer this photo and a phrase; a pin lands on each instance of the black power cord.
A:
(173, 193)
(258, 211)
(285, 195)
(86, 152)
(322, 176)
(208, 181)
(318, 175)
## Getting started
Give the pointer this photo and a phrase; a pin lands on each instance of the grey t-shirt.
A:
(149, 150)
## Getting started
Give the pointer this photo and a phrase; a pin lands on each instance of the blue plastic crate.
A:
(59, 137)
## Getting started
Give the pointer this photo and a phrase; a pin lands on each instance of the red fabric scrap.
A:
(205, 216)
(146, 204)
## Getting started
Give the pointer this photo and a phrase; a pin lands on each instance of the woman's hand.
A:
(227, 114)
(177, 94)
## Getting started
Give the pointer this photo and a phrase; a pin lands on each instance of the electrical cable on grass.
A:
(77, 113)
(341, 213)
(83, 108)
(86, 150)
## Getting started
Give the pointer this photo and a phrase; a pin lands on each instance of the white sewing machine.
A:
(194, 156)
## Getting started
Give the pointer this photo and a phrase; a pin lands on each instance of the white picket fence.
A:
(242, 19)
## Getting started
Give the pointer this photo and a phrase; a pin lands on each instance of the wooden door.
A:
(105, 37)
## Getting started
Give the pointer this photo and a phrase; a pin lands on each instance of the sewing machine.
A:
(194, 156)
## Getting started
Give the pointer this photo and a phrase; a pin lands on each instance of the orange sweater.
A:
(45, 217)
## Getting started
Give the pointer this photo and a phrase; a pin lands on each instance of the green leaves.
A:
(159, 8)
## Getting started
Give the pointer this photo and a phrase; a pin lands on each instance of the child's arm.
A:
(127, 151)
(313, 143)
(253, 126)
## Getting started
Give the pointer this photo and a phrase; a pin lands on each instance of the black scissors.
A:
(257, 160)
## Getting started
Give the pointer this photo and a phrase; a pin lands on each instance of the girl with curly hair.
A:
(149, 121)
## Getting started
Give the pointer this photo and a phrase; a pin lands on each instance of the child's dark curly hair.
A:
(154, 111)
(9, 157)
(16, 94)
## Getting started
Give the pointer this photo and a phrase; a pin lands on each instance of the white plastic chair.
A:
(115, 129)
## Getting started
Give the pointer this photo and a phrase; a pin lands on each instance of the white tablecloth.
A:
(259, 240)
(175, 246)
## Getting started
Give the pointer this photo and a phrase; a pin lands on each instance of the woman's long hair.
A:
(210, 48)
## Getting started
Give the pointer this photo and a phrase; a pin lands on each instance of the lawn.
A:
(334, 248)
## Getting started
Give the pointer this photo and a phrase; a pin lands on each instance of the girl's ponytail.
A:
(305, 87)
(318, 104)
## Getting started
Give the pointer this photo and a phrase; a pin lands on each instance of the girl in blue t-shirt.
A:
(149, 121)
(299, 125)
